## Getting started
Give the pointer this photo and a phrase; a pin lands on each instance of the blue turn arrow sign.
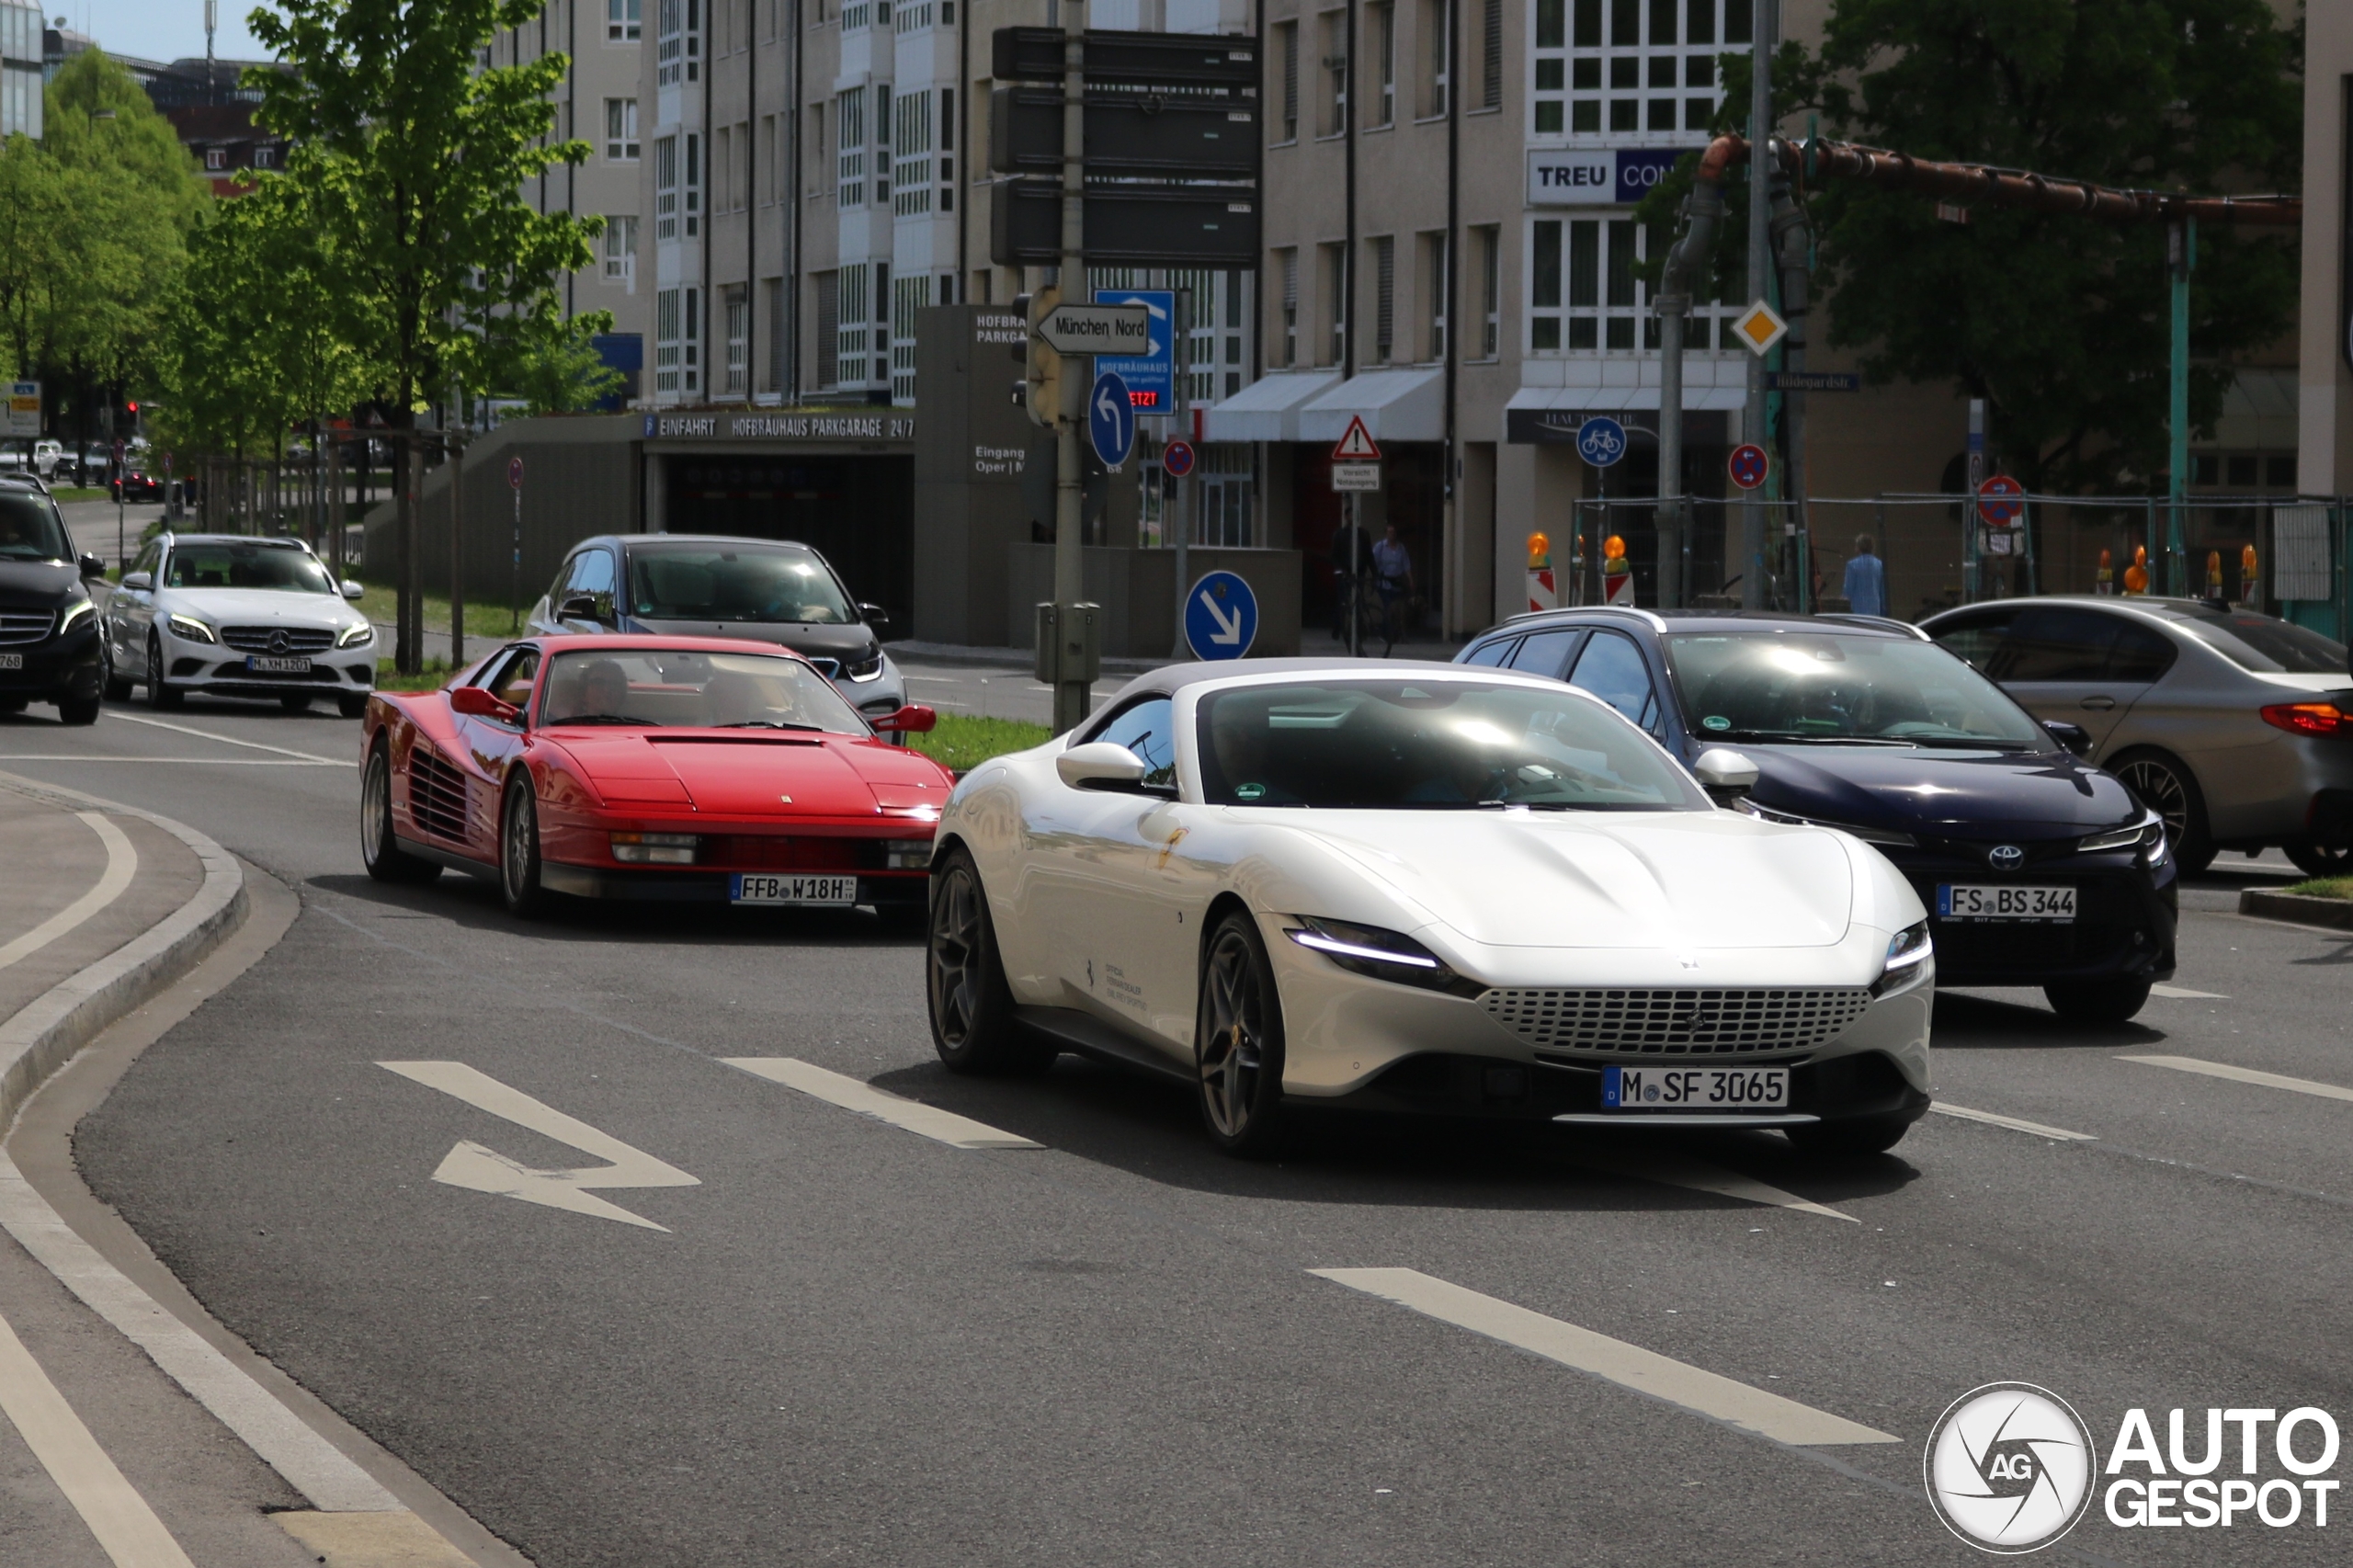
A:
(1110, 420)
(1221, 617)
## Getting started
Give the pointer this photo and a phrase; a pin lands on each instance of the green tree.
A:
(2057, 321)
(556, 368)
(35, 211)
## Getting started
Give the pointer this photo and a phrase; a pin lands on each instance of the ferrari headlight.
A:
(654, 848)
(75, 614)
(1373, 952)
(358, 636)
(1908, 952)
(906, 854)
(189, 627)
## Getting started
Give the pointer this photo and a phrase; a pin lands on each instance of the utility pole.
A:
(1181, 350)
(1971, 566)
(1789, 228)
(1760, 261)
(2181, 255)
(1074, 691)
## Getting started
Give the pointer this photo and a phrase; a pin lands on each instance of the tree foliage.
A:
(2059, 322)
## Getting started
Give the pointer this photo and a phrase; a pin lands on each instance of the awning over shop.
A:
(1265, 410)
(1396, 406)
(1546, 415)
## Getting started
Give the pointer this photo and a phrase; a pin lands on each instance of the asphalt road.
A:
(851, 1343)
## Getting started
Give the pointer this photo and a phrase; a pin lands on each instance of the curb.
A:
(44, 1034)
(2302, 908)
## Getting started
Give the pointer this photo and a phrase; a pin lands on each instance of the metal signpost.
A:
(1356, 469)
(121, 490)
(1968, 530)
(1221, 617)
(515, 577)
(1601, 442)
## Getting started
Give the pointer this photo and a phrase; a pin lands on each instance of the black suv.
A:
(49, 625)
(2036, 868)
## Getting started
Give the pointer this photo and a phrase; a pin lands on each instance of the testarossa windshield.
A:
(684, 688)
(1408, 745)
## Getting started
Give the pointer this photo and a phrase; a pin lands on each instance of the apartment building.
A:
(20, 69)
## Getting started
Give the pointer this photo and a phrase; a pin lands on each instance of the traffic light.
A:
(1041, 384)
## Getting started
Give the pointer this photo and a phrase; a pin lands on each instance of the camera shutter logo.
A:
(2009, 1468)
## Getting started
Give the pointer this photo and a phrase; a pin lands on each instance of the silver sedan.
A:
(2236, 727)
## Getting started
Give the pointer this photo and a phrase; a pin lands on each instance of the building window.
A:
(1384, 299)
(1287, 268)
(216, 157)
(620, 131)
(265, 157)
(1287, 52)
(1645, 66)
(1491, 53)
(776, 152)
(621, 250)
(677, 53)
(666, 326)
(1584, 296)
(1335, 73)
(881, 149)
(908, 295)
(849, 122)
(622, 20)
(1437, 55)
(772, 305)
(915, 16)
(1334, 285)
(829, 328)
(1380, 27)
(1434, 269)
(852, 360)
(1488, 243)
(665, 189)
(911, 168)
(947, 150)
(735, 300)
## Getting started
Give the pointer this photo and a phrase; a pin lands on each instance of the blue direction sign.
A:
(1601, 440)
(1221, 617)
(1110, 420)
(1150, 378)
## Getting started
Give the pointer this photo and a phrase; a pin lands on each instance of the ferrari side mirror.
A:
(473, 701)
(914, 719)
(1101, 765)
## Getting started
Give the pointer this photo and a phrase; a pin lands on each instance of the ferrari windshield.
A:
(1392, 745)
(683, 689)
(30, 529)
(258, 565)
(756, 583)
(1798, 687)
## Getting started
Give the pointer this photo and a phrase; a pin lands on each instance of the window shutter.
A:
(1492, 77)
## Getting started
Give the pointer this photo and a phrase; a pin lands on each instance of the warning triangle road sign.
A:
(1357, 445)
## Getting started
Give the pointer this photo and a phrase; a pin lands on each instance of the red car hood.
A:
(762, 775)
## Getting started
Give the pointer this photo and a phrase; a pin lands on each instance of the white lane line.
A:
(2244, 1075)
(479, 1169)
(228, 740)
(2183, 993)
(2015, 1124)
(208, 761)
(1629, 1365)
(312, 1465)
(118, 1515)
(122, 862)
(1679, 1170)
(944, 1126)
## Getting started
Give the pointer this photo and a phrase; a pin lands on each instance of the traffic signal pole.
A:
(1760, 261)
(1072, 696)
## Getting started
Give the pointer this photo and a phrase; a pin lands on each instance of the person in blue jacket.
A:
(1866, 580)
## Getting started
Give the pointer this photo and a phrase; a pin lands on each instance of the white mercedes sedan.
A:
(1422, 888)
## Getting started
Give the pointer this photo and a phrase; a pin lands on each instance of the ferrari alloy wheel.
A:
(159, 694)
(972, 1008)
(1238, 1042)
(116, 687)
(519, 849)
(2166, 787)
(379, 846)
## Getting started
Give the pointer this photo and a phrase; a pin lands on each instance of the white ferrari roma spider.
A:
(1427, 888)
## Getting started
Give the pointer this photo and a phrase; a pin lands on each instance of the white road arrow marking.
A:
(478, 1169)
(1229, 631)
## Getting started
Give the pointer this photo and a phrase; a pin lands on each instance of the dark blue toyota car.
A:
(2037, 869)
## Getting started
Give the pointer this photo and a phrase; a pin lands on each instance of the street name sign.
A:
(1098, 329)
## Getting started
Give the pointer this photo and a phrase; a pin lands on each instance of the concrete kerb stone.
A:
(2301, 908)
(44, 1035)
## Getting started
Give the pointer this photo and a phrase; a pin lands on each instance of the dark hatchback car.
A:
(49, 625)
(2037, 869)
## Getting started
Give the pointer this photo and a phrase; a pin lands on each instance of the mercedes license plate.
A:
(262, 665)
(1966, 901)
(751, 887)
(1695, 1088)
(12, 661)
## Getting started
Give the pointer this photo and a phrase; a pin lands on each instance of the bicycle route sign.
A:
(1601, 440)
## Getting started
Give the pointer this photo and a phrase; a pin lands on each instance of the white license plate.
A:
(262, 665)
(1695, 1088)
(751, 887)
(1964, 901)
(12, 661)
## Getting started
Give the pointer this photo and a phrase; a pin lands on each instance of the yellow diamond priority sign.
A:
(1760, 328)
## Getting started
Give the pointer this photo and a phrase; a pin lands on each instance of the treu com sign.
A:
(1598, 176)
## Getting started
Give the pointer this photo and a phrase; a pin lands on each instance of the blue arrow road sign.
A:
(1150, 378)
(1110, 420)
(1221, 617)
(1601, 440)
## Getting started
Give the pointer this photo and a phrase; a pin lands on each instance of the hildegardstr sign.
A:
(883, 425)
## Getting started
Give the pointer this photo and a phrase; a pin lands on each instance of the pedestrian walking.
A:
(1866, 579)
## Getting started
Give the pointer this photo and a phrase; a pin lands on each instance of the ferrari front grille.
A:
(1677, 1021)
(437, 795)
(18, 627)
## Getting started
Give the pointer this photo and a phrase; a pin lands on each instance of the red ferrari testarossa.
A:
(652, 767)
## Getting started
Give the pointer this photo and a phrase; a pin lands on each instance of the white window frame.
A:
(1591, 79)
(622, 145)
(624, 21)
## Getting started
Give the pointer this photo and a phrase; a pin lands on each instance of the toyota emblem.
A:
(279, 642)
(2006, 857)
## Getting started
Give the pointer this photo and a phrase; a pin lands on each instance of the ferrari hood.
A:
(1676, 881)
(731, 776)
